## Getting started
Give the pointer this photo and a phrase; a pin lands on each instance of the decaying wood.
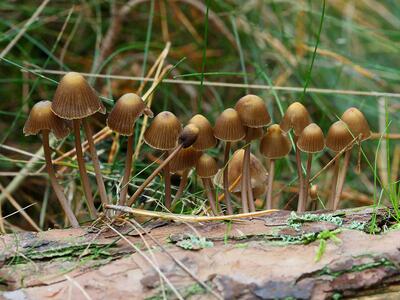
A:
(270, 257)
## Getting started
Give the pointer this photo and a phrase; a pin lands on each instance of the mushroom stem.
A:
(268, 202)
(334, 184)
(82, 169)
(182, 185)
(307, 181)
(152, 175)
(210, 195)
(167, 183)
(96, 163)
(341, 179)
(225, 179)
(250, 197)
(300, 203)
(127, 173)
(56, 187)
(244, 183)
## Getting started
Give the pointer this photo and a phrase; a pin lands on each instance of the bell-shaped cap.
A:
(163, 131)
(206, 166)
(228, 126)
(275, 143)
(75, 98)
(41, 118)
(311, 139)
(296, 117)
(185, 158)
(253, 111)
(338, 136)
(126, 111)
(206, 138)
(357, 123)
(258, 173)
(253, 133)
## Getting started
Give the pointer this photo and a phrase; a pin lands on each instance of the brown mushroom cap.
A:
(253, 133)
(126, 111)
(252, 111)
(206, 166)
(206, 138)
(75, 98)
(184, 159)
(163, 132)
(188, 135)
(42, 118)
(275, 143)
(228, 126)
(357, 123)
(296, 117)
(311, 139)
(338, 136)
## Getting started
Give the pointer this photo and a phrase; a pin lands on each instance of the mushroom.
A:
(42, 120)
(121, 119)
(358, 126)
(169, 124)
(254, 116)
(275, 144)
(297, 118)
(229, 128)
(76, 100)
(311, 141)
(205, 140)
(337, 139)
(206, 168)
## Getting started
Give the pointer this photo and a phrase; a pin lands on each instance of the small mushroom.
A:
(76, 100)
(358, 126)
(121, 119)
(337, 139)
(311, 141)
(297, 118)
(228, 128)
(169, 123)
(254, 116)
(206, 168)
(275, 144)
(42, 120)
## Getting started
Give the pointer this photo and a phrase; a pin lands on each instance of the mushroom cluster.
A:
(242, 176)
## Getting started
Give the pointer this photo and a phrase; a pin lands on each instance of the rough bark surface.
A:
(275, 257)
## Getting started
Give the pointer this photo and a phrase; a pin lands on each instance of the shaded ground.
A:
(277, 256)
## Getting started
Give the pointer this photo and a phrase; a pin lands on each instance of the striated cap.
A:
(42, 118)
(184, 159)
(126, 111)
(275, 143)
(338, 137)
(206, 166)
(253, 133)
(252, 111)
(163, 132)
(311, 139)
(228, 126)
(206, 138)
(357, 123)
(296, 117)
(75, 98)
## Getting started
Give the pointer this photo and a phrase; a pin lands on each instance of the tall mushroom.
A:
(185, 139)
(254, 115)
(76, 100)
(311, 141)
(42, 120)
(121, 119)
(206, 168)
(359, 128)
(229, 128)
(297, 118)
(338, 139)
(275, 144)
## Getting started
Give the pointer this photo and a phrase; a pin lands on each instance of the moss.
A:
(186, 292)
(295, 220)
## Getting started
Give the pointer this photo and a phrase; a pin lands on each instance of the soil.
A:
(280, 256)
